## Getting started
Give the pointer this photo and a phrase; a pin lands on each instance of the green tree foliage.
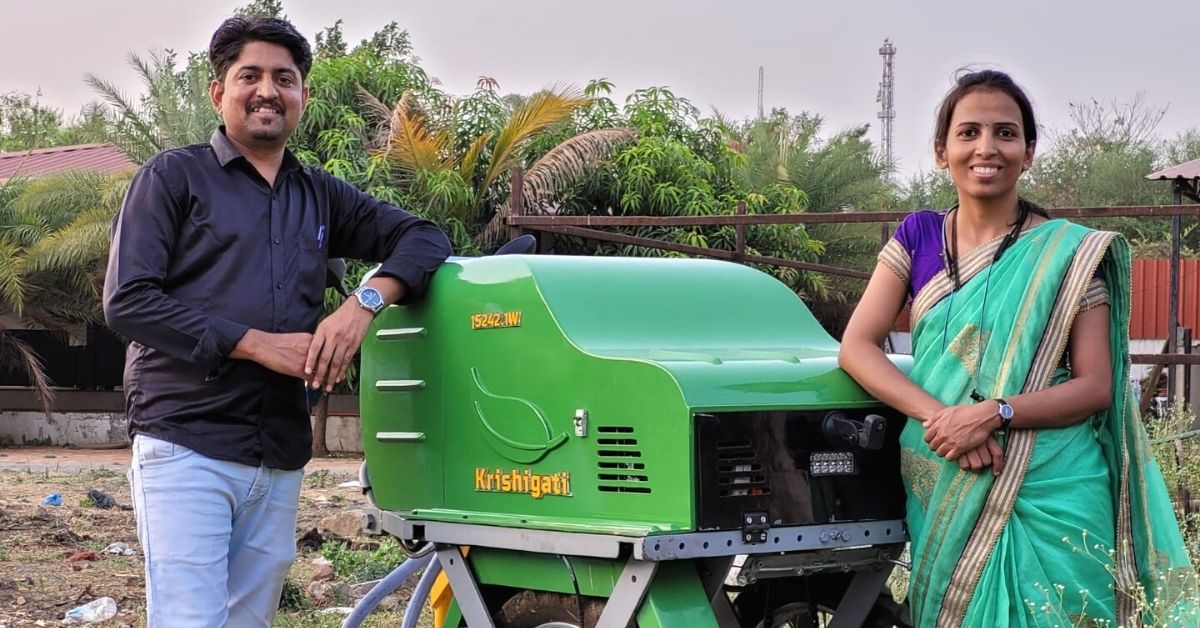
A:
(459, 172)
(1103, 160)
(842, 173)
(25, 124)
(1183, 148)
(928, 190)
(262, 8)
(54, 236)
(175, 110)
(688, 164)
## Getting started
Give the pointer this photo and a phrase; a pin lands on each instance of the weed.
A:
(101, 473)
(292, 597)
(1177, 602)
(363, 565)
(317, 479)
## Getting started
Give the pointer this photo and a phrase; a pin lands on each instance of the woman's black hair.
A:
(984, 80)
(234, 33)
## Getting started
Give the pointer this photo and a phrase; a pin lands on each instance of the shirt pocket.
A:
(311, 265)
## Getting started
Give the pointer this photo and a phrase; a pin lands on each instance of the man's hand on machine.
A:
(334, 344)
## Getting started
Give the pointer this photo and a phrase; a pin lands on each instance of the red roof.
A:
(44, 161)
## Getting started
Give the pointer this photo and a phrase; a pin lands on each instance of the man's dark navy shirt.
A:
(204, 249)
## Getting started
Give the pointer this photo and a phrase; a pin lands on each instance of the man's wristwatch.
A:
(369, 299)
(1006, 414)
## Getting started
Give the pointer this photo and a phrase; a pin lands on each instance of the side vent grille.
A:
(621, 469)
(739, 471)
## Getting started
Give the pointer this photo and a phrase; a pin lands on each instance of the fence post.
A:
(1173, 306)
(739, 230)
(516, 200)
(1186, 392)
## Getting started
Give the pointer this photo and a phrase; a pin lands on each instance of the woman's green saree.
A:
(1078, 530)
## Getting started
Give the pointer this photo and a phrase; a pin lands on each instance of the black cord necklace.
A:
(950, 252)
(950, 248)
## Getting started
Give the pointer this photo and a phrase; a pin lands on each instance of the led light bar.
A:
(823, 463)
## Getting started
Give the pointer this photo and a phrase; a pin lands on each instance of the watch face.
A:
(370, 298)
(1006, 411)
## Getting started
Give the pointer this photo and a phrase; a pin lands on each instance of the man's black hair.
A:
(235, 32)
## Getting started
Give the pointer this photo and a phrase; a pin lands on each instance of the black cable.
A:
(575, 584)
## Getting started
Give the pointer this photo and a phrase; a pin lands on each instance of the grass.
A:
(361, 565)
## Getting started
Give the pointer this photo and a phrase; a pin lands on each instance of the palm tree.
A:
(176, 109)
(460, 187)
(839, 174)
(54, 237)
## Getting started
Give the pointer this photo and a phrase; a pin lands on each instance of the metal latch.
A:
(754, 527)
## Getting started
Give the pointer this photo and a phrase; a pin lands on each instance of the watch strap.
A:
(358, 296)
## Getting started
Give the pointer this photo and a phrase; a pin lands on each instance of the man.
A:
(216, 275)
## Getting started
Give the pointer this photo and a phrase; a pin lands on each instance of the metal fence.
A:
(1175, 354)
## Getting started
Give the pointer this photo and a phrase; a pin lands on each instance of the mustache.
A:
(265, 102)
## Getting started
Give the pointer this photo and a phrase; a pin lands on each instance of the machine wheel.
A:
(809, 603)
(542, 609)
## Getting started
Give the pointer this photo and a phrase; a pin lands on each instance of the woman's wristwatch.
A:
(1006, 414)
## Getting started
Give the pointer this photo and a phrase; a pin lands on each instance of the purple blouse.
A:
(920, 233)
(920, 237)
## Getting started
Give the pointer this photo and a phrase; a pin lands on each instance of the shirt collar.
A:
(227, 152)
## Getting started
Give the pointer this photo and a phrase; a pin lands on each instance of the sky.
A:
(818, 56)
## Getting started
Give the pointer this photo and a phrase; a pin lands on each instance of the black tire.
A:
(538, 609)
(791, 602)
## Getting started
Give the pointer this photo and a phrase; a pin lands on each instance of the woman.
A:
(1032, 499)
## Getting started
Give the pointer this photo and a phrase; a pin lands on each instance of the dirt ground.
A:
(39, 582)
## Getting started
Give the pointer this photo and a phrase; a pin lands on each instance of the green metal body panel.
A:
(640, 344)
(675, 599)
(595, 577)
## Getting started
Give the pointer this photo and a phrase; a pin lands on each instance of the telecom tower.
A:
(886, 99)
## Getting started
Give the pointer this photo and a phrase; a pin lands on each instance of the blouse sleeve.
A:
(1095, 295)
(897, 253)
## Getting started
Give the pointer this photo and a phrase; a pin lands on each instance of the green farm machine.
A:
(615, 442)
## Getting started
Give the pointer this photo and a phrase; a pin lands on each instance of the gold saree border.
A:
(1001, 497)
(940, 286)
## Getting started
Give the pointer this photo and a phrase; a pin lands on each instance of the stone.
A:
(362, 588)
(323, 572)
(346, 525)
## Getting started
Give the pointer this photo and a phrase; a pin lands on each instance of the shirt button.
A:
(279, 286)
(276, 239)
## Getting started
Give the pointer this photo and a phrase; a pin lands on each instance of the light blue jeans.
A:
(218, 536)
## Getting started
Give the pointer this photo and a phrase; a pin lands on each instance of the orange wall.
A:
(1151, 297)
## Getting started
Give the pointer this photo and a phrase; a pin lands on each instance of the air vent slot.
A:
(620, 469)
(739, 470)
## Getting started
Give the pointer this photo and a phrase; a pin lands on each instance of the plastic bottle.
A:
(93, 612)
